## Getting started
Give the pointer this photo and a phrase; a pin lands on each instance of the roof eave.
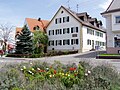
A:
(94, 28)
(111, 11)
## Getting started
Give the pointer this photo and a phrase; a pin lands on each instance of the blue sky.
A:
(15, 11)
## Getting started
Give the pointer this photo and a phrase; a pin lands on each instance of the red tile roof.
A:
(18, 30)
(34, 22)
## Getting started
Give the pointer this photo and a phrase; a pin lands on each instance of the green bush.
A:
(44, 76)
(11, 79)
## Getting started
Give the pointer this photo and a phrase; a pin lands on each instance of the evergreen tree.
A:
(24, 44)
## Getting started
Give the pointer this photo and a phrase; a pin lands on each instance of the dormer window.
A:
(82, 18)
(117, 19)
(98, 25)
(92, 23)
(36, 28)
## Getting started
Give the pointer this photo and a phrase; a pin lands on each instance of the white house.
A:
(69, 30)
(112, 15)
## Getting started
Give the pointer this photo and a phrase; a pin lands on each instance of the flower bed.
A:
(44, 76)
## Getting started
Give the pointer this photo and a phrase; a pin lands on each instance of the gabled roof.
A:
(75, 15)
(18, 30)
(34, 22)
(113, 7)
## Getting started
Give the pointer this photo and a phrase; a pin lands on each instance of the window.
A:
(116, 41)
(66, 19)
(66, 42)
(82, 18)
(58, 42)
(36, 28)
(99, 43)
(92, 22)
(74, 41)
(117, 19)
(96, 43)
(74, 29)
(51, 32)
(97, 33)
(58, 31)
(101, 34)
(63, 19)
(88, 42)
(103, 43)
(58, 20)
(55, 21)
(51, 43)
(65, 30)
(90, 31)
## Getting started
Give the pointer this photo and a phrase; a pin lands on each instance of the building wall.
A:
(110, 34)
(115, 26)
(81, 35)
(93, 38)
(113, 29)
(72, 23)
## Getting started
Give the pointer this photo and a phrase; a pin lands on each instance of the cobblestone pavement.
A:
(65, 59)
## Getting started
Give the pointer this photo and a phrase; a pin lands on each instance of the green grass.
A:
(109, 55)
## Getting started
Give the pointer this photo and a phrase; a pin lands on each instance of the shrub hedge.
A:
(52, 53)
(44, 76)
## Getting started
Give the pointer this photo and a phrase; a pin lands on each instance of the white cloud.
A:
(105, 4)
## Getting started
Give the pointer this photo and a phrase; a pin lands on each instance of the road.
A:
(65, 59)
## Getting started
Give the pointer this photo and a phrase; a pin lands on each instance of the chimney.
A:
(39, 19)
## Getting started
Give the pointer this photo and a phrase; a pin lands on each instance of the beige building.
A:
(112, 16)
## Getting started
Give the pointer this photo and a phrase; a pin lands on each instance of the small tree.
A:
(24, 44)
(7, 34)
(40, 40)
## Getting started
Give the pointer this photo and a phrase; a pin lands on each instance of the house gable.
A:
(74, 16)
(62, 12)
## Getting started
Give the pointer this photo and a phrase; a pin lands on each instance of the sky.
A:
(15, 11)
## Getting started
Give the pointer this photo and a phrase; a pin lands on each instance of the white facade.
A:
(76, 33)
(112, 15)
(115, 26)
(94, 39)
(72, 23)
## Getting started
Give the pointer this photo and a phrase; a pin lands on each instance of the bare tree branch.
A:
(6, 31)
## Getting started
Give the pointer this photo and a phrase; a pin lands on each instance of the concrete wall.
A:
(113, 29)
